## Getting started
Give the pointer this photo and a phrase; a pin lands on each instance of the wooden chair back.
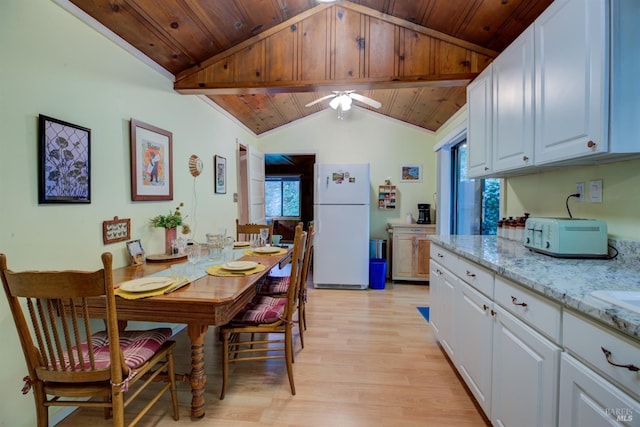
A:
(57, 338)
(251, 232)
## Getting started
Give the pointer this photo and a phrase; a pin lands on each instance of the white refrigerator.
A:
(341, 224)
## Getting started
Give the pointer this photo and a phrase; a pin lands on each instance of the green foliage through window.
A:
(282, 197)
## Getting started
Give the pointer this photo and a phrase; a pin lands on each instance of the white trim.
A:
(90, 21)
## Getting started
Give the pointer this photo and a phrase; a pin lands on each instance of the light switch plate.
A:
(595, 191)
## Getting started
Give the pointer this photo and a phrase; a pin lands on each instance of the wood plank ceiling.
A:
(264, 60)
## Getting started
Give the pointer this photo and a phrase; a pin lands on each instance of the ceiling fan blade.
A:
(319, 100)
(370, 102)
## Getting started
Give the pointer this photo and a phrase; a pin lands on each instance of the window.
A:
(282, 197)
(475, 202)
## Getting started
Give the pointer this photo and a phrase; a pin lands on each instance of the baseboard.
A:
(339, 286)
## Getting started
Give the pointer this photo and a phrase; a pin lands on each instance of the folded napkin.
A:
(251, 252)
(173, 286)
(217, 270)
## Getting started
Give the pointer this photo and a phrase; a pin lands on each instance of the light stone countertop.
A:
(567, 281)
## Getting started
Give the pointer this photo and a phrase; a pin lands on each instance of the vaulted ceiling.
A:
(264, 60)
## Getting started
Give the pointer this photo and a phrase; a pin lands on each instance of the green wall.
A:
(54, 64)
(365, 137)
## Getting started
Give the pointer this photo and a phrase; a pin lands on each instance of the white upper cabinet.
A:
(578, 106)
(513, 105)
(479, 114)
(571, 80)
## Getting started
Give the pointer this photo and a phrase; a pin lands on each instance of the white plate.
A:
(239, 265)
(266, 250)
(146, 284)
(241, 244)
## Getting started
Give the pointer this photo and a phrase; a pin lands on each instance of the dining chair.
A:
(251, 232)
(248, 336)
(67, 361)
(278, 285)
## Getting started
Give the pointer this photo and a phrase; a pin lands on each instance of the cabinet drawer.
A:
(478, 277)
(585, 340)
(540, 313)
(447, 259)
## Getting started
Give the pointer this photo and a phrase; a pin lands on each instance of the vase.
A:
(170, 235)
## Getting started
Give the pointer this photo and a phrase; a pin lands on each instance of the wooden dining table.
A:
(207, 301)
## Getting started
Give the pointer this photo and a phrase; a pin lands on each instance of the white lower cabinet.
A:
(474, 330)
(442, 289)
(588, 400)
(526, 367)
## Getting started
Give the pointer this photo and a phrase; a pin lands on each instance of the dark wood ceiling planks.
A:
(182, 35)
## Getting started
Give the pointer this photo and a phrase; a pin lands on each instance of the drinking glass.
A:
(193, 256)
(264, 235)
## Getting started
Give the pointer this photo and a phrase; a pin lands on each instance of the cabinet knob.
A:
(470, 274)
(525, 158)
(485, 307)
(486, 168)
(591, 144)
(493, 313)
(440, 255)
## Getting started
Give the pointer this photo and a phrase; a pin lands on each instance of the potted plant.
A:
(170, 223)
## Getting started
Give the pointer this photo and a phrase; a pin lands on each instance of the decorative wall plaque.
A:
(116, 230)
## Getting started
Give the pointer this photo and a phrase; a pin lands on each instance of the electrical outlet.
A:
(580, 190)
(595, 191)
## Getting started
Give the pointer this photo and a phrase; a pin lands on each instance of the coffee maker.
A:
(424, 215)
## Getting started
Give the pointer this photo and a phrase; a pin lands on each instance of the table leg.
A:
(198, 377)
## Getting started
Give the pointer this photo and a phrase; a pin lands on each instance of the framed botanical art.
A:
(220, 168)
(151, 162)
(411, 173)
(64, 160)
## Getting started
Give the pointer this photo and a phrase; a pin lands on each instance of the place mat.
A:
(174, 286)
(251, 252)
(217, 270)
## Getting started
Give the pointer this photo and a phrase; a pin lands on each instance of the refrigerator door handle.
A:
(327, 183)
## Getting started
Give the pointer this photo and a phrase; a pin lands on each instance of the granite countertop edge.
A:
(566, 281)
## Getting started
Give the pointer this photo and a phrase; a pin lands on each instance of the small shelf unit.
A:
(387, 197)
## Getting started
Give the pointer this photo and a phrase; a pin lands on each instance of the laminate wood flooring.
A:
(370, 359)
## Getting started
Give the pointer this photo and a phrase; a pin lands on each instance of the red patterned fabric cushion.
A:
(262, 309)
(274, 285)
(137, 347)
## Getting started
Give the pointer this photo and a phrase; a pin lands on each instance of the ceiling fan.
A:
(342, 101)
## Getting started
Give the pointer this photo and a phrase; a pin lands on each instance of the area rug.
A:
(425, 312)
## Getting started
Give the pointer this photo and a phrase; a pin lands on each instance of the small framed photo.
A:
(411, 173)
(220, 178)
(116, 230)
(134, 247)
(151, 162)
(64, 156)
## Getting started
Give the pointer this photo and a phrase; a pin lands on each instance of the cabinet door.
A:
(588, 400)
(525, 375)
(513, 105)
(571, 63)
(435, 310)
(474, 339)
(422, 255)
(402, 256)
(479, 118)
(447, 307)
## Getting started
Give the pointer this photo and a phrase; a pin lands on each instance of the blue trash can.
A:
(377, 273)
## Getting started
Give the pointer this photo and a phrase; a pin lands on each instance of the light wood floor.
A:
(370, 359)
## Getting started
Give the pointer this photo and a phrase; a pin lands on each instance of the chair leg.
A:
(225, 362)
(117, 400)
(174, 392)
(42, 412)
(288, 351)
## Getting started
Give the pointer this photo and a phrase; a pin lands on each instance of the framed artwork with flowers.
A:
(64, 162)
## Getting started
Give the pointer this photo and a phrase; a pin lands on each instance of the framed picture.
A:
(151, 162)
(136, 253)
(64, 162)
(116, 230)
(220, 168)
(411, 173)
